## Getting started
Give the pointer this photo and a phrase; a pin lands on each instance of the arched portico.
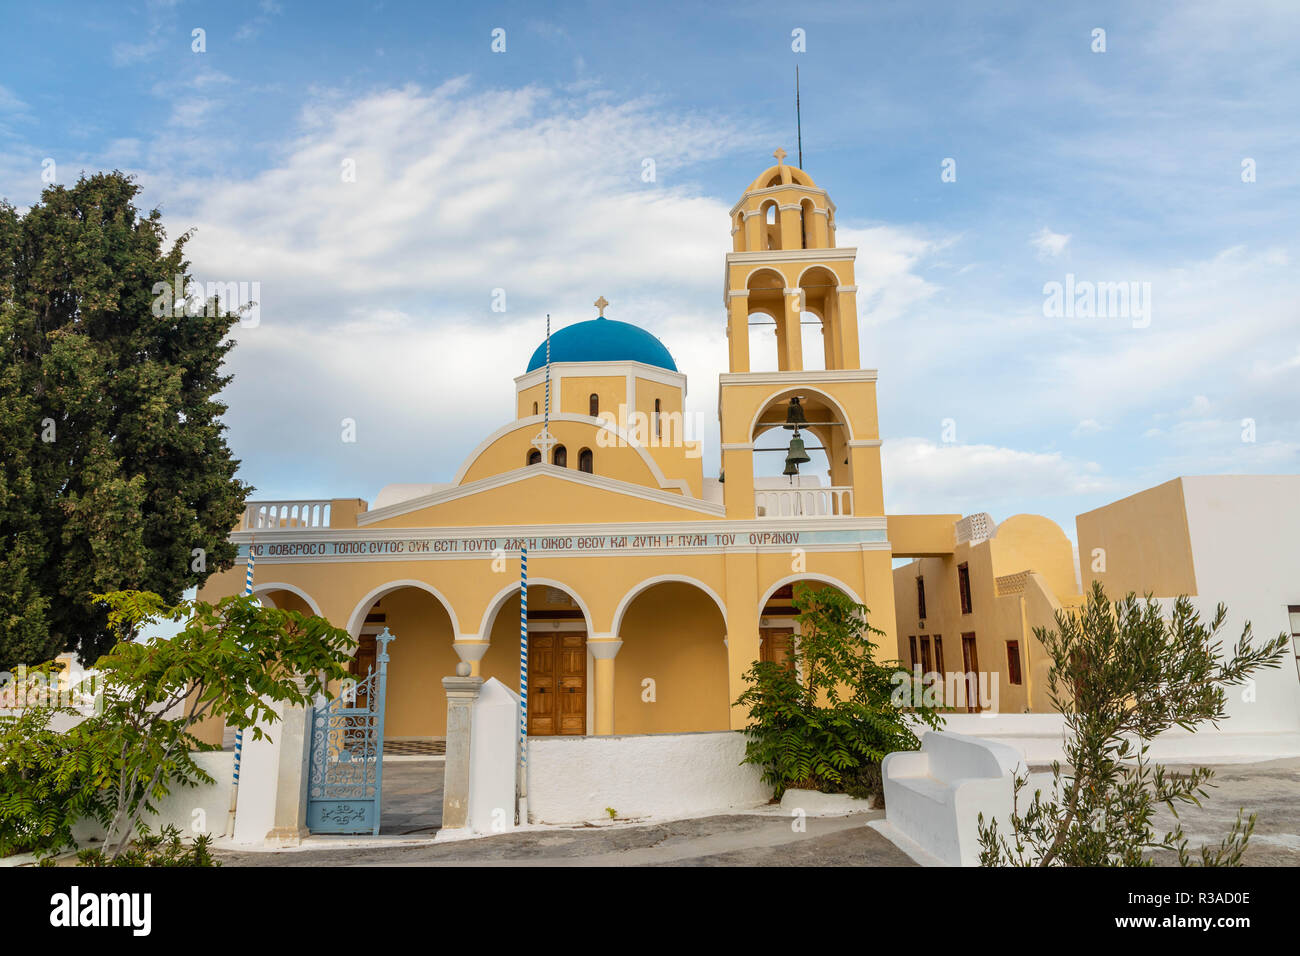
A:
(672, 673)
(424, 626)
(561, 697)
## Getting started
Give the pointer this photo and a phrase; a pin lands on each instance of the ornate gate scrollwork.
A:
(346, 773)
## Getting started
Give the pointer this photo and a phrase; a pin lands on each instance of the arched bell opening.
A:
(821, 304)
(802, 463)
(766, 297)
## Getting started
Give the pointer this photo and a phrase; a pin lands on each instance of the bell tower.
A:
(784, 264)
(784, 272)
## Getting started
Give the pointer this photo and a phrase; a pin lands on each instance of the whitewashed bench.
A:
(934, 795)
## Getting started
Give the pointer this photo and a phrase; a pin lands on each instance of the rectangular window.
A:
(1013, 661)
(963, 587)
(938, 654)
(912, 643)
(920, 598)
(971, 662)
(927, 665)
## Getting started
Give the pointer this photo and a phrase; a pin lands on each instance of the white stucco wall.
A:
(1040, 737)
(1245, 536)
(187, 808)
(571, 779)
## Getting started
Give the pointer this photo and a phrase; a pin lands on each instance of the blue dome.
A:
(604, 340)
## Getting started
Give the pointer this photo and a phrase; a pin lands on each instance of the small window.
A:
(585, 462)
(534, 457)
(927, 665)
(560, 457)
(534, 408)
(912, 644)
(920, 598)
(938, 654)
(659, 431)
(1013, 661)
(963, 587)
(593, 405)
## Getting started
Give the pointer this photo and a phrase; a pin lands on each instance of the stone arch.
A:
(784, 395)
(648, 583)
(806, 576)
(499, 599)
(358, 616)
(263, 591)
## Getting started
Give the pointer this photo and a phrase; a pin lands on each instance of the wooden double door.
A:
(557, 683)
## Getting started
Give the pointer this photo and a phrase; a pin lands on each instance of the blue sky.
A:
(522, 170)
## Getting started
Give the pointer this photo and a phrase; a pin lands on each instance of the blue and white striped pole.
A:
(523, 684)
(239, 734)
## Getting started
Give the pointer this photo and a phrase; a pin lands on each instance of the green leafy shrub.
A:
(44, 788)
(235, 660)
(825, 718)
(147, 849)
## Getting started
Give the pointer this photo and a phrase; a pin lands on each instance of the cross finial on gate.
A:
(382, 640)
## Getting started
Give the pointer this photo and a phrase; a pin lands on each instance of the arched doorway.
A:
(422, 653)
(559, 690)
(671, 674)
(415, 707)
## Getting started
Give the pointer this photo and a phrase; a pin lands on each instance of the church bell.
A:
(794, 415)
(796, 456)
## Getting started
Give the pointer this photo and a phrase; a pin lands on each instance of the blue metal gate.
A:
(346, 774)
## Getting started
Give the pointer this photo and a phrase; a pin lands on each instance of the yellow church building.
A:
(652, 588)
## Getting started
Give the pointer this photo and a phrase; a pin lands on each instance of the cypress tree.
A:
(116, 473)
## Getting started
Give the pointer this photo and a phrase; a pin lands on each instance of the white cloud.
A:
(1049, 244)
(11, 102)
(376, 294)
(922, 475)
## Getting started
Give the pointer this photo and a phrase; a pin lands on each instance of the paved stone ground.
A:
(728, 840)
(413, 799)
(1271, 790)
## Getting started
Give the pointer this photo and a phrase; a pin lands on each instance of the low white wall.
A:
(572, 779)
(187, 808)
(1040, 737)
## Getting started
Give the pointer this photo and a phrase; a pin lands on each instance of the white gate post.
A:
(462, 691)
(294, 733)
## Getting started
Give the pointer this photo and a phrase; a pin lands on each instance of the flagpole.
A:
(239, 734)
(523, 684)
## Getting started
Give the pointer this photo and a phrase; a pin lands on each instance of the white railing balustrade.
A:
(796, 502)
(286, 515)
